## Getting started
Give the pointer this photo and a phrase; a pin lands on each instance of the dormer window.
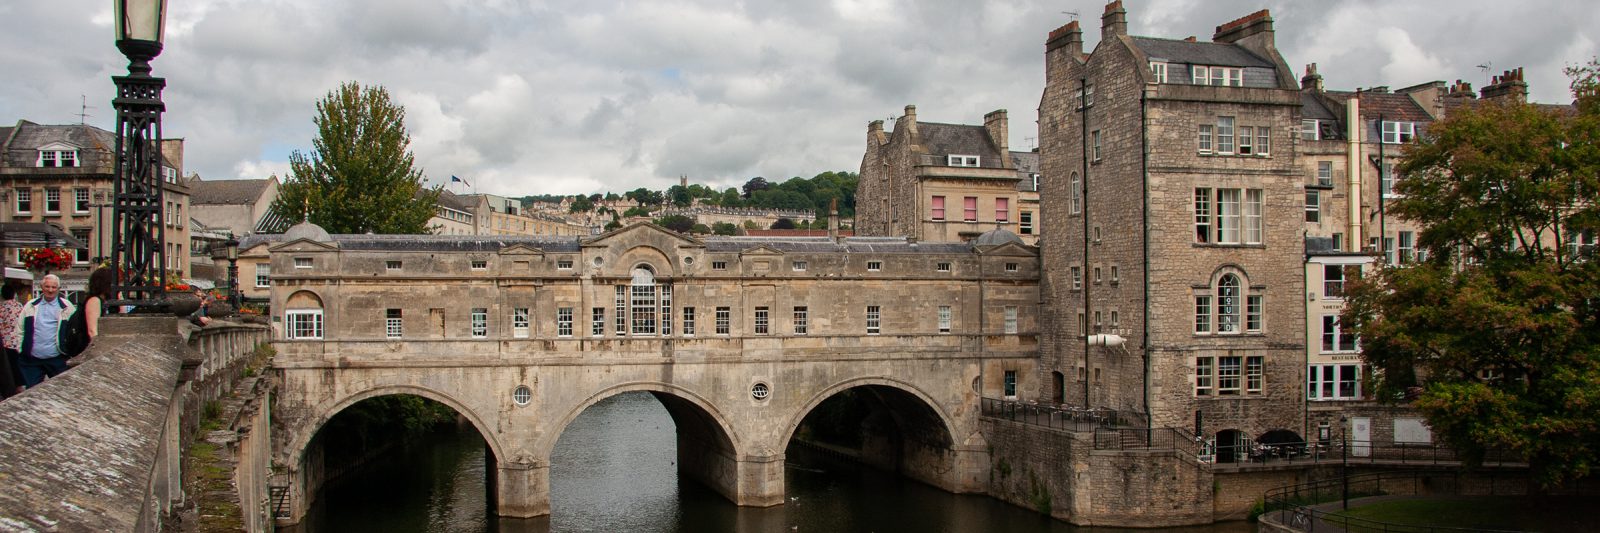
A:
(962, 160)
(58, 158)
(1398, 132)
(1220, 76)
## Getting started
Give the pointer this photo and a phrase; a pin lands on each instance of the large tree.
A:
(359, 176)
(1496, 335)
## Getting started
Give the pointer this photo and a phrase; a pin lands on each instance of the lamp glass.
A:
(141, 20)
(233, 249)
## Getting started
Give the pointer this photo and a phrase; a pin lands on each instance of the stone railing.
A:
(99, 448)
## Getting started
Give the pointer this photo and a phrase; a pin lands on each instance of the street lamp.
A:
(138, 233)
(230, 251)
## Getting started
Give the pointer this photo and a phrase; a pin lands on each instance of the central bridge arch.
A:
(924, 443)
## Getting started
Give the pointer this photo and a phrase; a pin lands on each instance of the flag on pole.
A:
(454, 179)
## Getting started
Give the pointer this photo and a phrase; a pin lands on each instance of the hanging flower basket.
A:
(46, 259)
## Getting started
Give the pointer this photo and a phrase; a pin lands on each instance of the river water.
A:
(614, 470)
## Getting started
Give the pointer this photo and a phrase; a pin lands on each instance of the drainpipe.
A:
(1383, 235)
(1353, 166)
(1083, 144)
(1144, 172)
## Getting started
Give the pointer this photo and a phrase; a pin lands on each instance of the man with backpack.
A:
(40, 330)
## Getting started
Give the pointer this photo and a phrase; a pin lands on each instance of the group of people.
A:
(31, 331)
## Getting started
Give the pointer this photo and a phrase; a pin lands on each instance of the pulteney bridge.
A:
(739, 338)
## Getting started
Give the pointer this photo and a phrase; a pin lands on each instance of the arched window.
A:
(648, 304)
(1228, 304)
(302, 316)
(1077, 194)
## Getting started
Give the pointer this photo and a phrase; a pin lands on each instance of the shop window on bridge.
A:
(303, 324)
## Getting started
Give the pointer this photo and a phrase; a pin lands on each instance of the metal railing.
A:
(1294, 506)
(1059, 417)
(1146, 439)
(1248, 453)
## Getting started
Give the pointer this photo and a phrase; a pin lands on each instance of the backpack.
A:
(73, 338)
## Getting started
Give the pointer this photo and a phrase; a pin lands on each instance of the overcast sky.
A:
(530, 97)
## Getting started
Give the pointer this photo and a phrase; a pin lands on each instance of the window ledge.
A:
(1216, 245)
(1319, 186)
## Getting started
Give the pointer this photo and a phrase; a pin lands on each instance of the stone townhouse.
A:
(1174, 278)
(1028, 178)
(63, 174)
(937, 182)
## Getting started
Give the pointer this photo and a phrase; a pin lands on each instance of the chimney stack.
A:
(1114, 21)
(1312, 80)
(833, 219)
(1069, 36)
(1507, 85)
(997, 125)
(1252, 24)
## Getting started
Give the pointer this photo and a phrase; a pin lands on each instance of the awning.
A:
(36, 235)
(17, 273)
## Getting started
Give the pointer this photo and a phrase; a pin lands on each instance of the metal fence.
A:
(1294, 506)
(1146, 439)
(1248, 453)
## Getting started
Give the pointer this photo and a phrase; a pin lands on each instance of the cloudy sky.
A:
(568, 96)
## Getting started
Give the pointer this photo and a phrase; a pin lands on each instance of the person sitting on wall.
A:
(198, 317)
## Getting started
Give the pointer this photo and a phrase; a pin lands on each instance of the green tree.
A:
(731, 198)
(678, 223)
(783, 223)
(680, 196)
(581, 204)
(1497, 334)
(724, 228)
(700, 229)
(359, 176)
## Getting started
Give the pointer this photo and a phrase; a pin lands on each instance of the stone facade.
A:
(801, 319)
(937, 182)
(1129, 254)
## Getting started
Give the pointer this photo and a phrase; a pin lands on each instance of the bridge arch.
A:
(309, 427)
(674, 397)
(946, 423)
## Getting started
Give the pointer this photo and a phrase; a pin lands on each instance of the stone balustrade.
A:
(99, 448)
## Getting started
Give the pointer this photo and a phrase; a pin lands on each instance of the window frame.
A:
(80, 200)
(874, 319)
(1077, 193)
(1398, 132)
(936, 208)
(969, 209)
(480, 322)
(724, 321)
(963, 160)
(1225, 135)
(688, 321)
(521, 322)
(393, 323)
(802, 323)
(945, 318)
(292, 324)
(24, 201)
(1002, 209)
(763, 320)
(597, 321)
(564, 322)
(1158, 71)
(1010, 313)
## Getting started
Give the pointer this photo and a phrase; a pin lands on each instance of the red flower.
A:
(47, 259)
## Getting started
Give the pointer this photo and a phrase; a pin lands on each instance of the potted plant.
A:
(44, 260)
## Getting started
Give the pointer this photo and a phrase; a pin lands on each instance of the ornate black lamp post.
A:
(138, 237)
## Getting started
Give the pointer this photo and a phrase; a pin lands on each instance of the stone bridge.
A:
(740, 339)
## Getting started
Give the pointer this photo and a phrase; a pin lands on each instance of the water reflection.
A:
(614, 469)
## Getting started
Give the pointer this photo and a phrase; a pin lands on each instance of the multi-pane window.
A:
(801, 324)
(1407, 246)
(1077, 277)
(688, 321)
(597, 321)
(80, 200)
(303, 323)
(564, 322)
(962, 160)
(1095, 144)
(1254, 374)
(938, 208)
(479, 264)
(1228, 216)
(1224, 135)
(621, 303)
(1398, 132)
(1158, 72)
(1313, 205)
(1206, 138)
(521, 319)
(52, 200)
(1335, 338)
(80, 255)
(393, 324)
(1228, 373)
(1581, 244)
(1263, 140)
(666, 309)
(24, 201)
(874, 266)
(1325, 173)
(1333, 382)
(480, 322)
(724, 319)
(1220, 76)
(719, 265)
(1247, 144)
(1334, 278)
(1386, 180)
(761, 324)
(563, 264)
(643, 308)
(1252, 313)
(944, 319)
(302, 262)
(799, 266)
(1025, 220)
(1203, 376)
(1076, 193)
(942, 267)
(969, 209)
(1012, 267)
(392, 265)
(1202, 313)
(873, 324)
(1002, 209)
(1011, 319)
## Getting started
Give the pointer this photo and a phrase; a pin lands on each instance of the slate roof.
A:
(227, 192)
(1200, 53)
(26, 138)
(455, 201)
(1393, 107)
(572, 244)
(945, 139)
(1027, 163)
(1312, 107)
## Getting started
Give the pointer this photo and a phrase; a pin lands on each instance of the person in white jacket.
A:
(40, 330)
